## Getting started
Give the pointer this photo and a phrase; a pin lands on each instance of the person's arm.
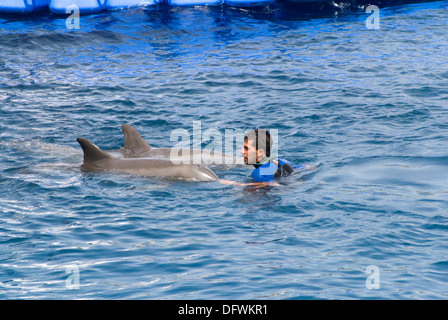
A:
(255, 184)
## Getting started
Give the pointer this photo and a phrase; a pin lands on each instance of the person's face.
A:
(250, 154)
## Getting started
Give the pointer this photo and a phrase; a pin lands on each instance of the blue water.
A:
(369, 106)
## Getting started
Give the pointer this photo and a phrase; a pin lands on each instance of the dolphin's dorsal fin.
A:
(133, 141)
(91, 152)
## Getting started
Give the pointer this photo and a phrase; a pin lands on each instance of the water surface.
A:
(369, 106)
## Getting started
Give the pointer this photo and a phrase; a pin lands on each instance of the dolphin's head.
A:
(203, 173)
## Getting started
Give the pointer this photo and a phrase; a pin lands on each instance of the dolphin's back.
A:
(96, 159)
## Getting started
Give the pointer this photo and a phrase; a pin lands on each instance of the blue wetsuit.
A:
(267, 172)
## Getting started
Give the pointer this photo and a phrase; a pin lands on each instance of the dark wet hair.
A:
(262, 139)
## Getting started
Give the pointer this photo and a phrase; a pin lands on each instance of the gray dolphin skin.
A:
(96, 159)
(136, 147)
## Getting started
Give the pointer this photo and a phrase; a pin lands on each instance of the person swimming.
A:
(256, 151)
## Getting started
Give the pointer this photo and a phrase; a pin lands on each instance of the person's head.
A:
(257, 145)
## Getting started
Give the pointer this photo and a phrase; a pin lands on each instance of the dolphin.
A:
(136, 147)
(96, 159)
